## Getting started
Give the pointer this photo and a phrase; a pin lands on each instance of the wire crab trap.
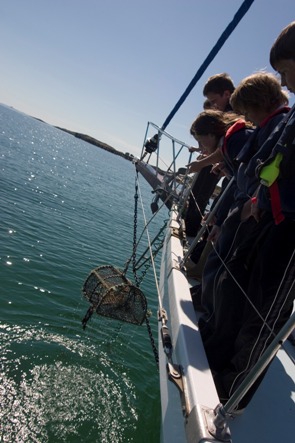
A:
(112, 295)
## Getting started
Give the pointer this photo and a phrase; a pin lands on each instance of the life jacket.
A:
(283, 109)
(269, 172)
(250, 152)
(236, 127)
(269, 177)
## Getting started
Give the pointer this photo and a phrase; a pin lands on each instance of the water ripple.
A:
(52, 397)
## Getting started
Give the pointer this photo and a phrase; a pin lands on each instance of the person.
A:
(263, 263)
(217, 91)
(207, 105)
(222, 134)
(261, 99)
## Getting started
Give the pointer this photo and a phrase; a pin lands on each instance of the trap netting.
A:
(111, 294)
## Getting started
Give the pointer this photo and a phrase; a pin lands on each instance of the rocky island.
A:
(93, 141)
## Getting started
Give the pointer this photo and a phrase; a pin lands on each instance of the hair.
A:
(284, 46)
(218, 84)
(207, 104)
(260, 90)
(213, 122)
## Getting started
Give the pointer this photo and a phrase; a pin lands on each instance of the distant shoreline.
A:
(86, 138)
(98, 143)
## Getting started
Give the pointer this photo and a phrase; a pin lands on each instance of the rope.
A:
(135, 262)
(156, 354)
(214, 51)
(136, 241)
(151, 252)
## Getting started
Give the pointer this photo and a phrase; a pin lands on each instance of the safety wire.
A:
(152, 255)
(223, 263)
(150, 247)
(136, 241)
(198, 207)
(164, 200)
(155, 274)
(251, 303)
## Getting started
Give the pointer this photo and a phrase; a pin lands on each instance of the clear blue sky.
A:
(107, 67)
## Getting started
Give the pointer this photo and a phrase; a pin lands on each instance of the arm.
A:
(194, 149)
(211, 159)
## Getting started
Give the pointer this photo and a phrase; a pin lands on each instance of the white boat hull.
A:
(269, 417)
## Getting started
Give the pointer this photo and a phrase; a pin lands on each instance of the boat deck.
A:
(269, 418)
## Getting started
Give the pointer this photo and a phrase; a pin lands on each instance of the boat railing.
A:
(171, 157)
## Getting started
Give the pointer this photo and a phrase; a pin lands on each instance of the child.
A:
(264, 263)
(260, 98)
(218, 90)
(222, 134)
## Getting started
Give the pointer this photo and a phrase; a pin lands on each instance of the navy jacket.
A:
(282, 140)
(253, 153)
(234, 141)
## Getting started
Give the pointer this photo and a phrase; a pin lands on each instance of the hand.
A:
(212, 221)
(195, 166)
(256, 212)
(216, 169)
(194, 149)
(214, 234)
(246, 210)
(224, 171)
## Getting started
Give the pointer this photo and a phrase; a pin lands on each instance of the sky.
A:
(108, 67)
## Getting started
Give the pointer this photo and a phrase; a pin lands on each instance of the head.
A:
(218, 90)
(282, 56)
(258, 96)
(210, 126)
(207, 105)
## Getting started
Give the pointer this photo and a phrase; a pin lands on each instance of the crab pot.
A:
(111, 294)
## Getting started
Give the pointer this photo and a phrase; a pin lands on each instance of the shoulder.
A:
(240, 136)
(272, 123)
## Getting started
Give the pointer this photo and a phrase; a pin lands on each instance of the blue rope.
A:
(222, 39)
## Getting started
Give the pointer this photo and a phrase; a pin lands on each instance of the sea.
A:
(67, 207)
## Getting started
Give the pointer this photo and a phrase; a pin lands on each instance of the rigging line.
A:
(163, 161)
(264, 320)
(214, 51)
(153, 216)
(223, 263)
(207, 222)
(156, 243)
(143, 231)
(151, 254)
(198, 207)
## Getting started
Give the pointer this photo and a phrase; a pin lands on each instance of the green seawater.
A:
(66, 207)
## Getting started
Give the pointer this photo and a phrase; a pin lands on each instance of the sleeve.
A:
(227, 202)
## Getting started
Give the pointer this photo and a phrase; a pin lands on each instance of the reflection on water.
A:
(49, 385)
(66, 207)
